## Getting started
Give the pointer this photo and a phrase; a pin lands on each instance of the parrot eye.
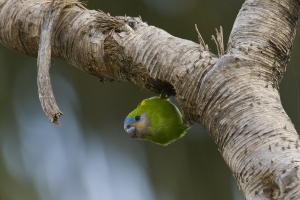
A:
(137, 118)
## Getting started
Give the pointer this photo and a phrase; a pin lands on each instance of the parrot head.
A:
(137, 125)
(157, 120)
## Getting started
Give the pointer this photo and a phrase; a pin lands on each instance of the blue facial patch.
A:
(128, 120)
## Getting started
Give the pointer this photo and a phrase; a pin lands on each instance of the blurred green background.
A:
(90, 157)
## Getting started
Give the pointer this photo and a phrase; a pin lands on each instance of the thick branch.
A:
(264, 32)
(265, 156)
(87, 39)
(235, 96)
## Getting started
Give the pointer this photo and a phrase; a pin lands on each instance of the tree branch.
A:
(234, 96)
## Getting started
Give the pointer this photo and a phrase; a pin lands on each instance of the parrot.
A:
(156, 119)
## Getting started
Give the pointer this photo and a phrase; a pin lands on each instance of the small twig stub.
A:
(201, 41)
(219, 41)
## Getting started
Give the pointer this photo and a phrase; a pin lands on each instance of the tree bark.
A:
(234, 96)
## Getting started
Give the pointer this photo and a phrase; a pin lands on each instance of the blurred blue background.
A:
(90, 157)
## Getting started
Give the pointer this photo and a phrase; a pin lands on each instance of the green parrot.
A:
(156, 119)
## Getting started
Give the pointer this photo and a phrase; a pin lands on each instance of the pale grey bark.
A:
(234, 96)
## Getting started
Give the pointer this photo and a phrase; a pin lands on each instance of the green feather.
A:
(166, 123)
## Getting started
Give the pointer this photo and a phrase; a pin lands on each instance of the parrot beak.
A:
(131, 130)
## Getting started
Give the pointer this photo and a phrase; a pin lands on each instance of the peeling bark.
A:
(46, 95)
(234, 96)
